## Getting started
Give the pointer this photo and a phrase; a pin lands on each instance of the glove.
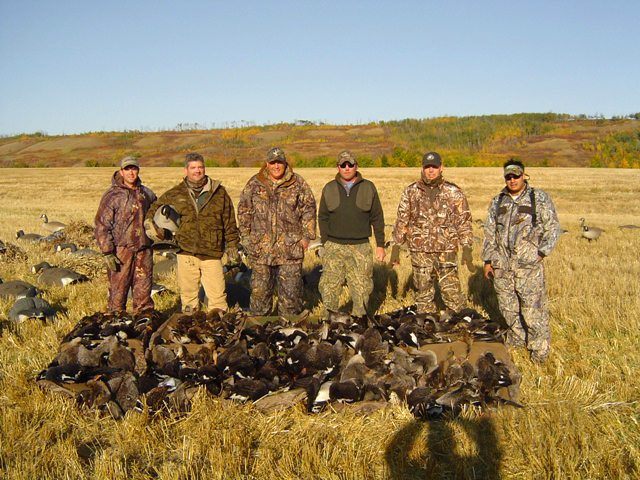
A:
(467, 259)
(112, 261)
(395, 255)
(233, 257)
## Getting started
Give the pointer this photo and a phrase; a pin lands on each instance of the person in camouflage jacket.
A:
(121, 237)
(207, 230)
(277, 220)
(434, 220)
(522, 229)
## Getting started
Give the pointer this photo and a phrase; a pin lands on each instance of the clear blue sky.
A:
(79, 66)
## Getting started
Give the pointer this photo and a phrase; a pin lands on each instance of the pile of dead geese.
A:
(434, 363)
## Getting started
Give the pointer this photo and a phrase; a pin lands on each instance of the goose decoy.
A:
(166, 266)
(73, 249)
(52, 226)
(590, 233)
(28, 237)
(31, 307)
(57, 276)
(17, 289)
(167, 218)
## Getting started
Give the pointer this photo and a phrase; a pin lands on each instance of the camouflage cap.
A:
(513, 170)
(276, 154)
(431, 159)
(129, 161)
(346, 156)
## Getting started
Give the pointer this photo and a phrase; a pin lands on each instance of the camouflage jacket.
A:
(441, 225)
(208, 231)
(275, 217)
(119, 221)
(509, 232)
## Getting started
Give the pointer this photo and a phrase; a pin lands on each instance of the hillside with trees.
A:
(539, 139)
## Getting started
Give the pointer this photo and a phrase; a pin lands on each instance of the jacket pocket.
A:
(293, 246)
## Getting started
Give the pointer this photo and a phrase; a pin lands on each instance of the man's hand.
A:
(467, 258)
(112, 261)
(159, 232)
(394, 259)
(233, 257)
(488, 271)
(380, 254)
(305, 244)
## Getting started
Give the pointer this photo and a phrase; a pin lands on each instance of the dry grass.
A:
(582, 411)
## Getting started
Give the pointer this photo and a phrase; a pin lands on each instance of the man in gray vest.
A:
(349, 208)
(522, 229)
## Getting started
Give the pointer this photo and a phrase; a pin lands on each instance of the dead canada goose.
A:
(28, 237)
(590, 233)
(17, 289)
(73, 249)
(316, 247)
(31, 307)
(52, 226)
(57, 276)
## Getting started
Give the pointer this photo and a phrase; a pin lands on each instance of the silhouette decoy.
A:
(52, 226)
(57, 276)
(590, 233)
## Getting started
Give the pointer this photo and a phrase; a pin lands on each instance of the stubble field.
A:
(581, 407)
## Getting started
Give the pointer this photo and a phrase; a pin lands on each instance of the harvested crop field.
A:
(581, 408)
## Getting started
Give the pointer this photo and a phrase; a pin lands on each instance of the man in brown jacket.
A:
(277, 219)
(122, 239)
(207, 230)
(434, 219)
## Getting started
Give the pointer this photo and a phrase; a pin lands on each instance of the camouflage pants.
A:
(522, 300)
(441, 266)
(135, 273)
(286, 279)
(353, 262)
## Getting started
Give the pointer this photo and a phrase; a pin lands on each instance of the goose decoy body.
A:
(57, 276)
(74, 250)
(17, 289)
(52, 226)
(31, 307)
(590, 233)
(28, 237)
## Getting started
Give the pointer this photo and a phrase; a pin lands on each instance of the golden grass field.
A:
(582, 410)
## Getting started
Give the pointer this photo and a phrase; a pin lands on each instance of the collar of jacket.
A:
(435, 183)
(118, 181)
(356, 180)
(525, 191)
(211, 185)
(287, 179)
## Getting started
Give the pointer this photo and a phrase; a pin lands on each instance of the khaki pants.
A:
(196, 269)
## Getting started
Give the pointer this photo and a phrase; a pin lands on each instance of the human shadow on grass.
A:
(482, 293)
(382, 277)
(441, 459)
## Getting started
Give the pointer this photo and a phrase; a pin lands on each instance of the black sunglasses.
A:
(273, 162)
(512, 177)
(347, 164)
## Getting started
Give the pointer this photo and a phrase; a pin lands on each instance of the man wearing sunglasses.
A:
(522, 229)
(121, 236)
(277, 220)
(434, 220)
(349, 208)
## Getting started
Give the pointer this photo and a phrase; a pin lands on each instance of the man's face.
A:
(276, 169)
(347, 171)
(432, 172)
(129, 175)
(194, 171)
(514, 184)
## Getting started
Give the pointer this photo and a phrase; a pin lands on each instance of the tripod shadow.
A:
(442, 460)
